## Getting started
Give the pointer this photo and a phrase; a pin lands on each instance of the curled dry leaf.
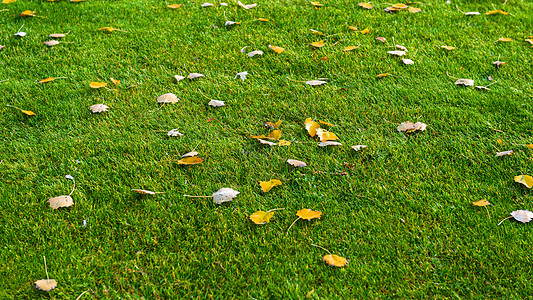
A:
(143, 192)
(216, 103)
(254, 53)
(353, 28)
(296, 163)
(406, 126)
(168, 98)
(46, 284)
(329, 143)
(504, 153)
(318, 44)
(223, 4)
(308, 214)
(381, 39)
(523, 216)
(206, 4)
(98, 108)
(276, 48)
(482, 202)
(28, 112)
(325, 123)
(268, 185)
(420, 126)
(397, 53)
(315, 82)
(334, 260)
(195, 75)
(51, 43)
(190, 160)
(242, 75)
(359, 147)
(311, 126)
(224, 195)
(174, 132)
(449, 48)
(465, 82)
(179, 78)
(248, 6)
(525, 180)
(261, 217)
(97, 85)
(365, 5)
(401, 47)
(61, 201)
(407, 61)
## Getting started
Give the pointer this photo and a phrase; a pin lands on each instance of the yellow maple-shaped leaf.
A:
(268, 185)
(399, 6)
(190, 160)
(382, 75)
(525, 180)
(114, 81)
(261, 217)
(276, 48)
(503, 39)
(350, 48)
(353, 28)
(318, 44)
(365, 5)
(284, 143)
(311, 126)
(365, 31)
(318, 4)
(28, 112)
(263, 20)
(174, 6)
(335, 260)
(274, 135)
(449, 48)
(308, 214)
(27, 13)
(97, 85)
(8, 1)
(482, 202)
(414, 9)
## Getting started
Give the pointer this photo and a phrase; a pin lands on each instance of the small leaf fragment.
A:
(350, 48)
(51, 43)
(472, 13)
(504, 39)
(273, 125)
(216, 103)
(465, 82)
(47, 80)
(414, 10)
(28, 112)
(114, 81)
(449, 48)
(498, 11)
(311, 126)
(195, 75)
(174, 132)
(399, 6)
(230, 23)
(382, 75)
(401, 48)
(329, 143)
(407, 61)
(365, 5)
(27, 13)
(335, 260)
(296, 163)
(315, 82)
(179, 78)
(190, 154)
(317, 4)
(359, 147)
(8, 1)
(284, 143)
(190, 160)
(308, 214)
(326, 135)
(274, 135)
(261, 217)
(224, 195)
(174, 6)
(318, 44)
(525, 180)
(60, 201)
(46, 284)
(406, 126)
(206, 4)
(504, 153)
(365, 31)
(248, 6)
(381, 39)
(265, 142)
(266, 186)
(482, 202)
(263, 20)
(353, 28)
(242, 75)
(276, 48)
(143, 192)
(168, 98)
(254, 53)
(397, 53)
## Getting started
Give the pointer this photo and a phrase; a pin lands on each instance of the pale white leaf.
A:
(267, 142)
(315, 82)
(407, 61)
(168, 98)
(223, 4)
(98, 108)
(46, 284)
(243, 50)
(406, 126)
(420, 126)
(242, 75)
(69, 177)
(216, 103)
(329, 143)
(401, 48)
(60, 201)
(190, 154)
(207, 4)
(254, 53)
(229, 23)
(179, 78)
(397, 53)
(472, 13)
(224, 195)
(174, 132)
(467, 82)
(247, 6)
(480, 87)
(20, 34)
(57, 35)
(503, 153)
(359, 147)
(143, 192)
(523, 216)
(296, 163)
(51, 43)
(195, 75)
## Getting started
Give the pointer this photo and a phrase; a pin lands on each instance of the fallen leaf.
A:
(262, 136)
(46, 284)
(273, 125)
(261, 217)
(248, 6)
(230, 23)
(382, 75)
(365, 5)
(143, 192)
(216, 103)
(406, 126)
(60, 201)
(353, 28)
(284, 143)
(28, 112)
(195, 75)
(224, 195)
(529, 41)
(498, 11)
(265, 142)
(190, 154)
(47, 80)
(397, 53)
(308, 214)
(525, 180)
(98, 108)
(97, 85)
(268, 185)
(365, 31)
(523, 216)
(311, 126)
(325, 123)
(401, 47)
(179, 78)
(472, 13)
(174, 6)
(8, 1)
(420, 126)
(168, 98)
(482, 202)
(414, 9)
(449, 48)
(174, 132)
(502, 39)
(407, 61)
(242, 75)
(110, 29)
(399, 6)
(466, 82)
(190, 160)
(317, 4)
(326, 135)
(27, 13)
(381, 39)
(318, 44)
(2, 47)
(274, 135)
(329, 143)
(359, 147)
(350, 48)
(20, 34)
(207, 4)
(263, 20)
(315, 82)
(57, 35)
(335, 260)
(114, 81)
(51, 43)
(499, 141)
(316, 32)
(296, 163)
(254, 53)
(503, 153)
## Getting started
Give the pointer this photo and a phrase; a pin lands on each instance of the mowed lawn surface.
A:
(403, 216)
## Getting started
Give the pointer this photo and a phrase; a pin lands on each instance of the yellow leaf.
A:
(263, 20)
(325, 123)
(8, 1)
(502, 39)
(259, 136)
(114, 81)
(326, 135)
(284, 143)
(97, 85)
(353, 28)
(318, 4)
(261, 217)
(274, 135)
(28, 112)
(365, 31)
(350, 48)
(365, 5)
(498, 11)
(449, 48)
(525, 180)
(47, 80)
(316, 32)
(529, 41)
(110, 29)
(382, 75)
(311, 126)
(174, 6)
(530, 146)
(318, 44)
(268, 185)
(27, 13)
(482, 202)
(335, 260)
(414, 9)
(190, 160)
(499, 141)
(399, 6)
(308, 214)
(276, 48)
(273, 125)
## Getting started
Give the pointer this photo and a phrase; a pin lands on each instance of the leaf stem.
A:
(504, 220)
(451, 76)
(321, 248)
(73, 187)
(292, 224)
(4, 80)
(457, 6)
(14, 107)
(294, 80)
(275, 209)
(81, 295)
(46, 268)
(190, 196)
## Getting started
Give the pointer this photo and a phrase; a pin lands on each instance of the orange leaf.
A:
(261, 217)
(47, 80)
(174, 6)
(268, 185)
(308, 214)
(482, 202)
(190, 160)
(263, 20)
(365, 5)
(276, 48)
(259, 136)
(502, 39)
(335, 260)
(114, 81)
(97, 85)
(382, 75)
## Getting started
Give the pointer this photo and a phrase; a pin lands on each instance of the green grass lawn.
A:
(403, 216)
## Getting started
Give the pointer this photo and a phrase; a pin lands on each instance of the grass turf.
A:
(403, 217)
